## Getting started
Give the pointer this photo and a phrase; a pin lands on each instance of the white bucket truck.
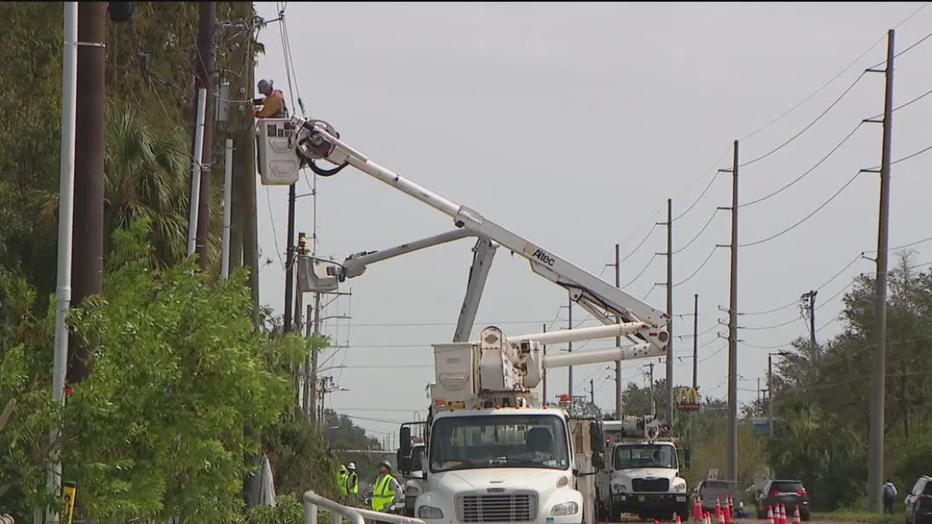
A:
(494, 452)
(642, 473)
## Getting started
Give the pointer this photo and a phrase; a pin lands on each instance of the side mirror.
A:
(595, 438)
(598, 462)
(404, 438)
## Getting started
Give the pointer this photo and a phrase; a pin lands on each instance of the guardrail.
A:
(313, 501)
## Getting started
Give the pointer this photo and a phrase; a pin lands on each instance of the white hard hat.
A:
(352, 465)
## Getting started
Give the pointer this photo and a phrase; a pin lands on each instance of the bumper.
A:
(923, 517)
(631, 502)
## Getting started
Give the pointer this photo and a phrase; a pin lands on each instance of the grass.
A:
(860, 516)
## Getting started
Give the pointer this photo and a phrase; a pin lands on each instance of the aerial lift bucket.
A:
(316, 275)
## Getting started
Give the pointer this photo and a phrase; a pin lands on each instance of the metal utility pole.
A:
(695, 341)
(196, 170)
(203, 72)
(732, 436)
(227, 202)
(592, 391)
(809, 308)
(875, 453)
(669, 410)
(289, 262)
(569, 325)
(90, 122)
(653, 405)
(65, 231)
(619, 391)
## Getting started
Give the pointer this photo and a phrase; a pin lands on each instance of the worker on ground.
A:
(889, 495)
(352, 480)
(342, 477)
(386, 491)
(273, 103)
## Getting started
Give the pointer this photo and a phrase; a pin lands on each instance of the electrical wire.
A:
(800, 133)
(635, 250)
(713, 328)
(827, 282)
(716, 352)
(646, 267)
(917, 153)
(278, 252)
(807, 217)
(819, 90)
(696, 272)
(805, 173)
(709, 221)
(704, 191)
(916, 12)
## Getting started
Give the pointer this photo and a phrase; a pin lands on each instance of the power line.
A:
(764, 328)
(806, 173)
(917, 153)
(704, 191)
(716, 352)
(819, 90)
(646, 267)
(800, 133)
(696, 272)
(709, 221)
(635, 250)
(807, 217)
(916, 12)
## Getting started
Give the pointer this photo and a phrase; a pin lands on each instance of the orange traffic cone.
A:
(783, 514)
(770, 515)
(678, 521)
(728, 510)
(718, 507)
(696, 511)
(721, 518)
(796, 518)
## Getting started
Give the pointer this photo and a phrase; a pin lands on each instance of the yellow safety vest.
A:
(341, 483)
(383, 495)
(352, 483)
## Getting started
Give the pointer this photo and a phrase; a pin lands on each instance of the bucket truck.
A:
(495, 452)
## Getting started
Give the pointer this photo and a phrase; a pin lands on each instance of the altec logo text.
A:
(539, 254)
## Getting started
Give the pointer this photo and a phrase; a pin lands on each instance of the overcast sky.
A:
(572, 124)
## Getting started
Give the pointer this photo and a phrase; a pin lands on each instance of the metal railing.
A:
(313, 501)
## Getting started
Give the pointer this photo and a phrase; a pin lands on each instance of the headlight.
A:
(567, 508)
(680, 486)
(619, 488)
(429, 512)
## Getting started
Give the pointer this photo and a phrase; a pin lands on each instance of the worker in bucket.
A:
(386, 491)
(273, 103)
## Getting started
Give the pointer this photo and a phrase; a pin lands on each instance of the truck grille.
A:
(517, 507)
(650, 485)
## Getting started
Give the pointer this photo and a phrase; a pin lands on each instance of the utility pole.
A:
(244, 239)
(592, 391)
(696, 341)
(289, 262)
(570, 346)
(653, 405)
(770, 393)
(203, 73)
(809, 311)
(544, 378)
(875, 453)
(669, 410)
(732, 436)
(314, 361)
(299, 295)
(65, 237)
(87, 262)
(619, 392)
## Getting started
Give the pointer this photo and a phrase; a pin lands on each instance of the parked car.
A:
(790, 493)
(919, 502)
(710, 491)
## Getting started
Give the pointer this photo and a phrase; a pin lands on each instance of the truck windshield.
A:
(498, 441)
(645, 456)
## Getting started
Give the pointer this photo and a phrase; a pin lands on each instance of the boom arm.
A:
(317, 140)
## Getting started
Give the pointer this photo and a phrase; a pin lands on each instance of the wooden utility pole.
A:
(619, 392)
(544, 378)
(289, 261)
(592, 391)
(695, 342)
(879, 367)
(203, 78)
(244, 239)
(731, 438)
(90, 122)
(314, 361)
(669, 410)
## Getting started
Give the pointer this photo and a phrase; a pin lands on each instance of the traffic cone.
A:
(728, 510)
(718, 507)
(783, 514)
(721, 518)
(678, 521)
(770, 515)
(796, 518)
